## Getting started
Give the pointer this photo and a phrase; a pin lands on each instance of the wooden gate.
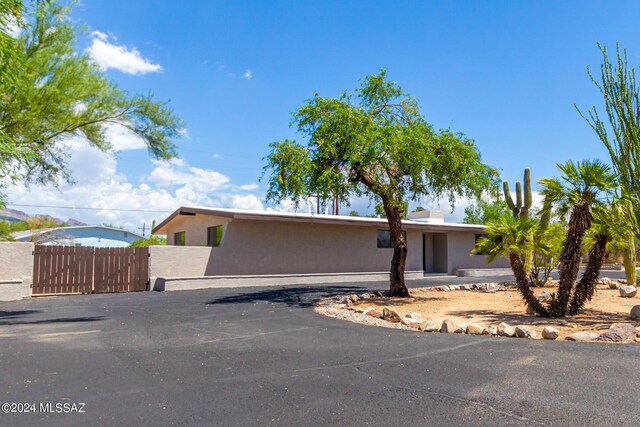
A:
(82, 270)
(121, 269)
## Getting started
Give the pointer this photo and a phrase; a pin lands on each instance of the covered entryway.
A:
(59, 270)
(434, 252)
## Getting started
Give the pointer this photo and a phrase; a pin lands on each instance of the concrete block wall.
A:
(16, 269)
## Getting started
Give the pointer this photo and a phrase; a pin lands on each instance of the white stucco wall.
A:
(179, 261)
(459, 247)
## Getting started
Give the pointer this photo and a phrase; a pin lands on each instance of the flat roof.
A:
(310, 218)
(29, 233)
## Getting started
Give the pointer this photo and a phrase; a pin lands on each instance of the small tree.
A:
(584, 187)
(375, 142)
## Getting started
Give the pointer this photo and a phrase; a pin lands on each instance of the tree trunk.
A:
(397, 287)
(579, 223)
(587, 284)
(630, 260)
(524, 285)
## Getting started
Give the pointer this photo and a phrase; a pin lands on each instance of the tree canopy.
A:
(51, 92)
(375, 142)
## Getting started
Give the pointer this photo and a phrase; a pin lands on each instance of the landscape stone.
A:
(506, 330)
(549, 333)
(410, 323)
(583, 336)
(412, 315)
(475, 329)
(628, 291)
(374, 313)
(607, 281)
(390, 314)
(432, 326)
(635, 312)
(461, 329)
(454, 287)
(489, 287)
(490, 330)
(465, 287)
(354, 298)
(544, 296)
(619, 332)
(365, 296)
(447, 327)
(523, 331)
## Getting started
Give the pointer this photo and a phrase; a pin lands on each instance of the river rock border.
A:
(342, 307)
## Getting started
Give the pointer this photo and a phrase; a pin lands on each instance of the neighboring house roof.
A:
(68, 232)
(310, 218)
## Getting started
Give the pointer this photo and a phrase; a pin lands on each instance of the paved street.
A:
(260, 356)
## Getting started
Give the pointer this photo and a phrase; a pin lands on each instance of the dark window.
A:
(214, 235)
(179, 238)
(384, 238)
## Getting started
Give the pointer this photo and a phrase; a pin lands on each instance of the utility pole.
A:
(143, 228)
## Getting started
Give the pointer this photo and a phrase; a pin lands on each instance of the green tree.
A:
(375, 142)
(484, 212)
(145, 242)
(583, 188)
(621, 136)
(58, 92)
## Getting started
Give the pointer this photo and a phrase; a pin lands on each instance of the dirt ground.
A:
(465, 307)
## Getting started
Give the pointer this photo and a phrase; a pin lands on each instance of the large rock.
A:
(432, 326)
(390, 314)
(448, 327)
(545, 297)
(465, 287)
(461, 329)
(608, 282)
(374, 313)
(506, 330)
(489, 287)
(583, 336)
(523, 331)
(413, 316)
(549, 333)
(475, 329)
(628, 291)
(619, 332)
(354, 298)
(410, 323)
(635, 312)
(490, 330)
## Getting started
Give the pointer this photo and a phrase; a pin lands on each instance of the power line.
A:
(87, 208)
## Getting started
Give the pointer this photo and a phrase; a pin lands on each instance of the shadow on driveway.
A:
(304, 296)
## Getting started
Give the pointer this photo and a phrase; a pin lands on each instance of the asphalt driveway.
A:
(262, 356)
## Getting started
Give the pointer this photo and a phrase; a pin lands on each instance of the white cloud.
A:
(99, 186)
(111, 56)
(12, 28)
(247, 75)
(247, 202)
(123, 139)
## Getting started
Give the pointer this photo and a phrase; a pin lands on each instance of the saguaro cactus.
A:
(521, 207)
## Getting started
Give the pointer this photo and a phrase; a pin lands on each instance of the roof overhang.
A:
(237, 214)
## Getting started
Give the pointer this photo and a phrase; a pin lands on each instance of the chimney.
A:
(433, 217)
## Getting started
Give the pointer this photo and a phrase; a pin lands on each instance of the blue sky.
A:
(505, 73)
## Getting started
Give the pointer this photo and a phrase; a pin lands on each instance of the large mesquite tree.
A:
(375, 142)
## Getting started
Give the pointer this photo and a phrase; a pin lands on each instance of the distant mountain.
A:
(14, 215)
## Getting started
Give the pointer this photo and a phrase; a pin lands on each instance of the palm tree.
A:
(582, 187)
(511, 237)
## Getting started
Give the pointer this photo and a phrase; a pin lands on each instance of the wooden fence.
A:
(81, 270)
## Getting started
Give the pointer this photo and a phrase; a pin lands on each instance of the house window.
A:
(384, 238)
(179, 238)
(214, 236)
